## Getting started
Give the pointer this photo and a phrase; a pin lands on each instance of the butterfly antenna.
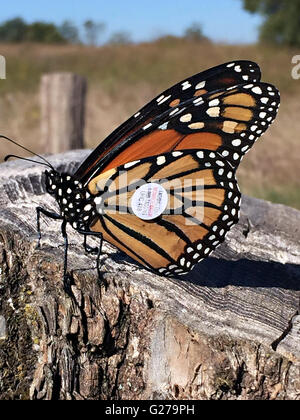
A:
(27, 150)
(22, 158)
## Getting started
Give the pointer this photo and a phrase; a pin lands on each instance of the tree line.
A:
(17, 30)
(281, 20)
(280, 26)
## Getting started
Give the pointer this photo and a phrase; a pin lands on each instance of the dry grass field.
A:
(122, 78)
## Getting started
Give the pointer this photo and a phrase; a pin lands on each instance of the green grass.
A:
(289, 195)
(160, 63)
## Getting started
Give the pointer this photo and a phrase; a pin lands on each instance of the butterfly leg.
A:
(95, 250)
(55, 216)
(99, 254)
(47, 213)
(89, 249)
(65, 236)
(248, 228)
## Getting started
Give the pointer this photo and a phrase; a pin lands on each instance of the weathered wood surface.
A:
(229, 330)
(62, 98)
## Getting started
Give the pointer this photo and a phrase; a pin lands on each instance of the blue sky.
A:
(222, 20)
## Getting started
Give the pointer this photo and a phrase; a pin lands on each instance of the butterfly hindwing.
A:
(203, 204)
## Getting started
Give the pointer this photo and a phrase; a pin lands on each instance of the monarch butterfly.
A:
(162, 186)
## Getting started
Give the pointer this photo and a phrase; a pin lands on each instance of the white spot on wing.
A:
(164, 126)
(198, 101)
(97, 200)
(130, 164)
(214, 102)
(264, 100)
(161, 160)
(177, 154)
(186, 85)
(186, 118)
(200, 85)
(182, 261)
(174, 111)
(236, 142)
(213, 112)
(257, 90)
(163, 99)
(147, 126)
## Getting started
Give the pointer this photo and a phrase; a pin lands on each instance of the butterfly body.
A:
(187, 143)
(75, 203)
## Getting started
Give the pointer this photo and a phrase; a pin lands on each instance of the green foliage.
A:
(16, 30)
(282, 20)
(195, 33)
(43, 32)
(13, 30)
(93, 30)
(69, 32)
(120, 38)
(288, 195)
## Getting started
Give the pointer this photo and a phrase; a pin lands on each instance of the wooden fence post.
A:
(62, 97)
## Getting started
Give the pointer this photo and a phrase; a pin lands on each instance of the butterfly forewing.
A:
(216, 78)
(227, 121)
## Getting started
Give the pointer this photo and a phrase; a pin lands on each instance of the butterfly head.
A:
(75, 202)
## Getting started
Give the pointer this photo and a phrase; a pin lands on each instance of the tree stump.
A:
(229, 330)
(62, 97)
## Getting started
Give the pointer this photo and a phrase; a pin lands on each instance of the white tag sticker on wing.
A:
(149, 201)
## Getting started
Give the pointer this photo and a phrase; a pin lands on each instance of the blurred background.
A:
(130, 51)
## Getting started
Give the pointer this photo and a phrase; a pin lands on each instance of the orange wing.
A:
(142, 136)
(228, 122)
(203, 204)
